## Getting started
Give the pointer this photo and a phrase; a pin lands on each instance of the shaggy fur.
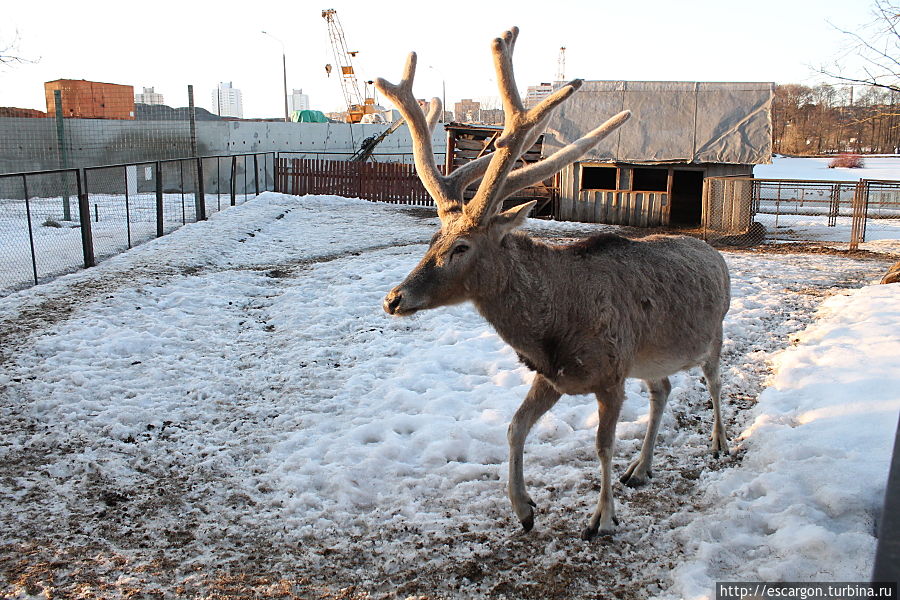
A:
(584, 316)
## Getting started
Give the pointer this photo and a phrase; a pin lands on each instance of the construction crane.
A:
(561, 65)
(357, 105)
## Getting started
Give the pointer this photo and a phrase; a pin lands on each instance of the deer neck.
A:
(510, 293)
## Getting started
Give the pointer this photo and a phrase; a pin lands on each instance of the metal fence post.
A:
(200, 197)
(160, 228)
(127, 209)
(859, 216)
(256, 173)
(30, 229)
(233, 180)
(84, 214)
(275, 175)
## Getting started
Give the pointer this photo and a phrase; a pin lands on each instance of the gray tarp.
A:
(672, 121)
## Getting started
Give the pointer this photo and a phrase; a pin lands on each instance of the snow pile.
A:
(790, 167)
(804, 504)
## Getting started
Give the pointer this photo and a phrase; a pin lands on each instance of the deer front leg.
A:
(541, 397)
(609, 402)
(639, 472)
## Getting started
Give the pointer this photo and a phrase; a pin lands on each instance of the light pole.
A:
(287, 117)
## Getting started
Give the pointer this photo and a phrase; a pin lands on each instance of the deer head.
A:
(473, 232)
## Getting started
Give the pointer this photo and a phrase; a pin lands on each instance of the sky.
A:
(169, 44)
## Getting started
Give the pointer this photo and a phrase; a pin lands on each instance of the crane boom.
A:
(356, 105)
(561, 65)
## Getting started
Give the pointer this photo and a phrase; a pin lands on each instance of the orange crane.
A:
(357, 105)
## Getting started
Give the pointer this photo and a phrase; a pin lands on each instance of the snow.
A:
(804, 504)
(792, 167)
(792, 213)
(229, 406)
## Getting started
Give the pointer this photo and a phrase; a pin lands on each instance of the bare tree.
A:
(9, 52)
(878, 46)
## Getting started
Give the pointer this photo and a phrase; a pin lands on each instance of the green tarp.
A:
(308, 116)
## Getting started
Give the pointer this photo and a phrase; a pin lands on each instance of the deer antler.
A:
(420, 127)
(521, 130)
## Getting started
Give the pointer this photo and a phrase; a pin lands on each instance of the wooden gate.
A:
(382, 182)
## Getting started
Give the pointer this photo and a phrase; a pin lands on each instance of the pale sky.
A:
(168, 44)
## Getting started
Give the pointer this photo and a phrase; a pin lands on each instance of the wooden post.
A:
(199, 192)
(63, 154)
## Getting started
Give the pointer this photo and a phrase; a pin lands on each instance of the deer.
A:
(583, 316)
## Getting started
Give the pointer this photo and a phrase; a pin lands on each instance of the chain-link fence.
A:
(744, 211)
(53, 222)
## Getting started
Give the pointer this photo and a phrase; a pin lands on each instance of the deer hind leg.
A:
(714, 385)
(639, 471)
(541, 397)
(609, 402)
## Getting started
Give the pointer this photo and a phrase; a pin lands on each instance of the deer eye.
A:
(460, 249)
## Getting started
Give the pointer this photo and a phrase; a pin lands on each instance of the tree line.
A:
(834, 119)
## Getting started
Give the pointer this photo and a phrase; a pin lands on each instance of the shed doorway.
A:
(686, 198)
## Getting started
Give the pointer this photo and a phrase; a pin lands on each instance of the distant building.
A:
(492, 116)
(21, 113)
(536, 93)
(90, 99)
(467, 111)
(297, 100)
(149, 97)
(226, 101)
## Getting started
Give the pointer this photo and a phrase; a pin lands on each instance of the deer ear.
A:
(512, 218)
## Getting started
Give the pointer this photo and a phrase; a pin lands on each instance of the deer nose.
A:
(392, 301)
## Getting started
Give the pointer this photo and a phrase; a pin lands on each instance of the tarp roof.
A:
(672, 121)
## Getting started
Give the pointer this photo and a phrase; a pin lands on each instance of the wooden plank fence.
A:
(381, 182)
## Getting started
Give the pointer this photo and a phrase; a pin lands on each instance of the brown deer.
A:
(583, 316)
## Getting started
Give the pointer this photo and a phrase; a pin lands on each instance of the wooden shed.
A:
(651, 171)
(466, 142)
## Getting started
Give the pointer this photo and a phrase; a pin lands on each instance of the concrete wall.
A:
(32, 144)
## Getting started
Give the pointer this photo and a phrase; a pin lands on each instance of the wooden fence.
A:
(382, 182)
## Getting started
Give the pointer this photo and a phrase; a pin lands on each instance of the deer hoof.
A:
(632, 477)
(591, 531)
(634, 481)
(531, 502)
(720, 449)
(528, 523)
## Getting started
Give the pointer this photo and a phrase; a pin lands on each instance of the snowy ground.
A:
(800, 214)
(227, 412)
(885, 167)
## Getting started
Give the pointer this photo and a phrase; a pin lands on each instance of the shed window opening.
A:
(650, 180)
(598, 178)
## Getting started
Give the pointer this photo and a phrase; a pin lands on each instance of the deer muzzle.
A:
(398, 304)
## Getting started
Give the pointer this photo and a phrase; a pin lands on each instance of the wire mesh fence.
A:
(40, 227)
(745, 211)
(53, 222)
